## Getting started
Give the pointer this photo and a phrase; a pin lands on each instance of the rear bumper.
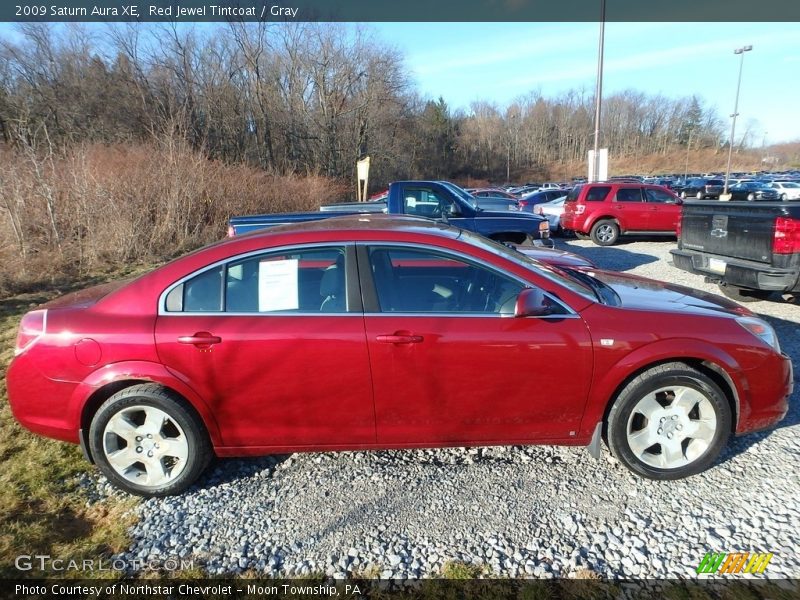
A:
(39, 403)
(742, 273)
(570, 222)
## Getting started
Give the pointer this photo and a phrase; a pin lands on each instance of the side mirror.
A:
(532, 302)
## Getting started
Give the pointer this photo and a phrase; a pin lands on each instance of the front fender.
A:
(660, 351)
(140, 371)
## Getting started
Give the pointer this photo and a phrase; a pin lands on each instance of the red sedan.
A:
(375, 332)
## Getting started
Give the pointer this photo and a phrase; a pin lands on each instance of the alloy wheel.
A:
(671, 427)
(145, 446)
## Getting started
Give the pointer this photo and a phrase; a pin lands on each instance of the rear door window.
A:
(299, 280)
(629, 195)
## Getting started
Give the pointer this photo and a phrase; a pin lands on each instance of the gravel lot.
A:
(535, 511)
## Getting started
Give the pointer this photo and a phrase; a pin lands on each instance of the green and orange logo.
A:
(736, 562)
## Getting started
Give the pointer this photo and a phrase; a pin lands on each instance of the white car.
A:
(788, 190)
(545, 187)
(552, 211)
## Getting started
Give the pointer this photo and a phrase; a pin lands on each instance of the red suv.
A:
(604, 211)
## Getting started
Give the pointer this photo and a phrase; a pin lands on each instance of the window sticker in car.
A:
(277, 285)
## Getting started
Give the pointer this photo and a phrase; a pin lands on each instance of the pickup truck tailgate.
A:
(736, 229)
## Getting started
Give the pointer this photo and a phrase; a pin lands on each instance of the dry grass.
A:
(455, 569)
(97, 206)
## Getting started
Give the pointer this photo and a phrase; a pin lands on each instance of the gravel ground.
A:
(519, 512)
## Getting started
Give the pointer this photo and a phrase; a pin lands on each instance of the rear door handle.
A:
(201, 338)
(399, 338)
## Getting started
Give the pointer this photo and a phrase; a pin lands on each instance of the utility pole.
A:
(740, 52)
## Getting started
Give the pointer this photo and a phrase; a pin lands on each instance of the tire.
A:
(751, 197)
(146, 432)
(683, 195)
(605, 233)
(740, 294)
(699, 195)
(648, 423)
(784, 197)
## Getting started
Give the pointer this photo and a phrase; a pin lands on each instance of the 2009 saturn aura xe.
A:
(370, 332)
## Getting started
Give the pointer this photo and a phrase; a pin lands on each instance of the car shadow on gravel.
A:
(231, 470)
(608, 257)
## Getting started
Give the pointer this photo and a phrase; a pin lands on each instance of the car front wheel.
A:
(670, 422)
(605, 233)
(699, 195)
(148, 442)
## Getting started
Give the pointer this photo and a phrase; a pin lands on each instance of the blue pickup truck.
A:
(439, 200)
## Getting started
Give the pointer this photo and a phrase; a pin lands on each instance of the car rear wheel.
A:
(751, 197)
(784, 197)
(683, 195)
(740, 294)
(670, 422)
(699, 195)
(148, 442)
(605, 233)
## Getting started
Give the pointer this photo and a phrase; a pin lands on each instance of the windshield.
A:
(461, 193)
(563, 278)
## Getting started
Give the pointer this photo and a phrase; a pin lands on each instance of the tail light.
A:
(580, 209)
(231, 231)
(31, 328)
(522, 204)
(786, 239)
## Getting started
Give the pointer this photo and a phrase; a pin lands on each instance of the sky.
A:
(499, 62)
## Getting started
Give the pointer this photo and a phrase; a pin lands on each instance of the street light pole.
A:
(735, 114)
(598, 94)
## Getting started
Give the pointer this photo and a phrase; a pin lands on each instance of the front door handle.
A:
(400, 338)
(200, 339)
